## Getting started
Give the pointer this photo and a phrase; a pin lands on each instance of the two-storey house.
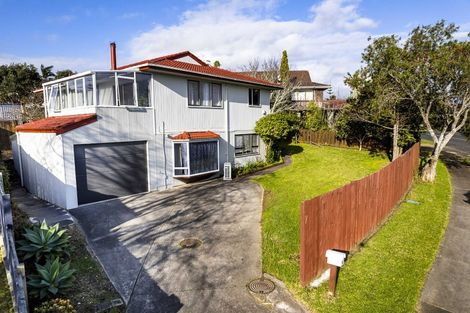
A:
(145, 126)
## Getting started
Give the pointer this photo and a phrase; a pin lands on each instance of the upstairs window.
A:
(253, 97)
(204, 94)
(247, 144)
(133, 89)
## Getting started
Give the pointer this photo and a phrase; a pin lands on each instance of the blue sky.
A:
(325, 37)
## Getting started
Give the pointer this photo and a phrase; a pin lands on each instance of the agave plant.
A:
(44, 241)
(51, 279)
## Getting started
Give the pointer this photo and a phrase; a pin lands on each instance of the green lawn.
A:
(313, 171)
(388, 273)
(5, 295)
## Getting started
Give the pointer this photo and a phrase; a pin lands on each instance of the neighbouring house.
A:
(145, 126)
(11, 115)
(305, 90)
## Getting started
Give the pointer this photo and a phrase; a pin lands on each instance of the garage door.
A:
(105, 171)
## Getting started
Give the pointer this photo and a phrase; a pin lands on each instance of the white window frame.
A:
(246, 154)
(200, 100)
(250, 94)
(187, 142)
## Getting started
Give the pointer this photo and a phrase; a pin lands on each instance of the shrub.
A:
(315, 119)
(51, 279)
(277, 131)
(44, 242)
(248, 168)
(57, 305)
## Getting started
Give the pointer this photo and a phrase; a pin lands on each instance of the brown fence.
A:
(321, 137)
(343, 217)
(7, 128)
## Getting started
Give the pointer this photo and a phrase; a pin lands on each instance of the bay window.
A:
(192, 158)
(247, 144)
(204, 94)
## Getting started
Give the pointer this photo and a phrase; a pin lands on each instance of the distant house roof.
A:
(302, 79)
(196, 135)
(57, 124)
(179, 62)
(334, 104)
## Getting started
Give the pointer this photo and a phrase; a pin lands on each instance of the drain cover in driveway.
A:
(261, 285)
(190, 243)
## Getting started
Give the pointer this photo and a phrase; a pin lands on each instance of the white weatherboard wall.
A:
(43, 166)
(173, 116)
(115, 124)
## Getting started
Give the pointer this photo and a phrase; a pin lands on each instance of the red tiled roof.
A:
(57, 124)
(171, 62)
(196, 135)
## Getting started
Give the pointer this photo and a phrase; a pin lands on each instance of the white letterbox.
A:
(335, 258)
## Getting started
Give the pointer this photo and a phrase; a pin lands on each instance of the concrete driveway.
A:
(136, 240)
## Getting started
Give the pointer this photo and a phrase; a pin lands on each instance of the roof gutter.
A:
(149, 67)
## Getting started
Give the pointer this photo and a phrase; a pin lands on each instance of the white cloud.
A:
(59, 63)
(328, 43)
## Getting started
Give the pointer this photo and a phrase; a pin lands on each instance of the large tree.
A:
(17, 82)
(46, 73)
(64, 73)
(284, 68)
(377, 99)
(426, 76)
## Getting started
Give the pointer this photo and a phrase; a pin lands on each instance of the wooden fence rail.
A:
(342, 218)
(321, 137)
(15, 270)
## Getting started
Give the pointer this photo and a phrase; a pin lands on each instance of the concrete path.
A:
(447, 288)
(136, 239)
(37, 209)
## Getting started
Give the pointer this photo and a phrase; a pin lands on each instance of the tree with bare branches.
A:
(269, 69)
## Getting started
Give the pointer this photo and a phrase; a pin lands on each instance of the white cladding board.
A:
(43, 166)
(114, 125)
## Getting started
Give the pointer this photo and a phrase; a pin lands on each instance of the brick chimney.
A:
(112, 47)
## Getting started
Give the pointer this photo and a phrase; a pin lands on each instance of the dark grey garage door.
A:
(110, 170)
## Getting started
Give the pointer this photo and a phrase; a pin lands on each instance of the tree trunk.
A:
(395, 148)
(430, 169)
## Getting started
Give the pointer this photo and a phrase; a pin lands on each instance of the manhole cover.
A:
(190, 243)
(261, 285)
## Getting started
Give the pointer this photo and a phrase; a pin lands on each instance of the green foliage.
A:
(284, 68)
(17, 82)
(46, 73)
(64, 73)
(249, 168)
(6, 304)
(44, 242)
(216, 63)
(277, 131)
(57, 305)
(51, 279)
(6, 176)
(315, 119)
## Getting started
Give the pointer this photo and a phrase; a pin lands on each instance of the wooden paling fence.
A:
(342, 218)
(7, 128)
(321, 137)
(15, 270)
